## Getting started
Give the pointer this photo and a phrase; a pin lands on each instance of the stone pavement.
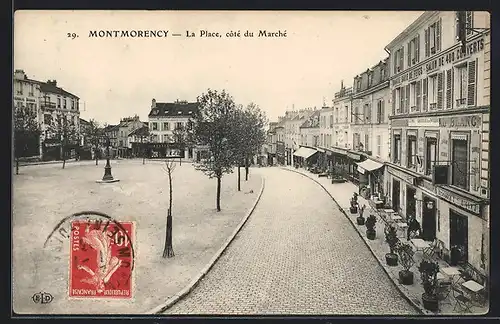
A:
(297, 254)
(342, 193)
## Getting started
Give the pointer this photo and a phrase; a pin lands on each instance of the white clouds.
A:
(118, 77)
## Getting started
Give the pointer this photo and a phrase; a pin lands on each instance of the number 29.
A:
(72, 35)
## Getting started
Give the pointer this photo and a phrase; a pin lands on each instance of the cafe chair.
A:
(462, 302)
(444, 289)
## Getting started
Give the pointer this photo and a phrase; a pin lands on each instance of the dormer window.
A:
(179, 112)
(190, 112)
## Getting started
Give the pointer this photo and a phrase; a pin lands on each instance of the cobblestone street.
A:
(297, 254)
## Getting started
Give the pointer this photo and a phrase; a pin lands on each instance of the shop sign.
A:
(466, 204)
(18, 98)
(399, 123)
(354, 156)
(401, 175)
(424, 122)
(473, 121)
(471, 48)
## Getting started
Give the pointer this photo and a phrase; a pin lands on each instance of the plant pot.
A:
(360, 220)
(354, 210)
(406, 277)
(391, 259)
(430, 302)
(370, 234)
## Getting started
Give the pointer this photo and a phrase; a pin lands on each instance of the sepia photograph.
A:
(250, 163)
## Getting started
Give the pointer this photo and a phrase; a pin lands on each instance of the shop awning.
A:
(305, 152)
(368, 165)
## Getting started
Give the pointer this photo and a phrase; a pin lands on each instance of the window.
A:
(72, 104)
(154, 126)
(336, 138)
(380, 112)
(367, 143)
(414, 51)
(346, 110)
(58, 102)
(461, 86)
(460, 165)
(19, 87)
(396, 101)
(432, 92)
(178, 125)
(412, 151)
(398, 60)
(32, 89)
(430, 154)
(397, 149)
(356, 141)
(336, 117)
(413, 96)
(166, 126)
(367, 113)
(64, 103)
(433, 38)
(379, 145)
(345, 139)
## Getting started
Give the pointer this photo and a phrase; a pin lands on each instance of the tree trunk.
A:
(246, 169)
(218, 192)
(96, 156)
(144, 159)
(168, 251)
(239, 179)
(63, 157)
(17, 165)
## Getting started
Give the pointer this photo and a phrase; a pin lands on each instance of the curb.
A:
(409, 300)
(190, 286)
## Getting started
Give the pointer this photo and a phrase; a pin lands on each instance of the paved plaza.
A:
(44, 194)
(297, 254)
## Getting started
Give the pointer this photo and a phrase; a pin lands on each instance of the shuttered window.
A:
(401, 58)
(402, 100)
(382, 111)
(459, 163)
(430, 154)
(407, 99)
(409, 52)
(438, 35)
(417, 49)
(449, 89)
(440, 87)
(418, 95)
(469, 22)
(471, 89)
(427, 42)
(424, 94)
(394, 101)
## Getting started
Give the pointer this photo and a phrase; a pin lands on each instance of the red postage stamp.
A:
(101, 259)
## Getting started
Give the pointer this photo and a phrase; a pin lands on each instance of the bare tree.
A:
(238, 140)
(212, 128)
(168, 250)
(67, 132)
(94, 134)
(26, 133)
(145, 137)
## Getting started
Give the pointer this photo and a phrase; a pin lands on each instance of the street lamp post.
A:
(107, 168)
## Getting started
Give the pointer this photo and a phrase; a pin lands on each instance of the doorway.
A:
(459, 234)
(410, 202)
(395, 195)
(428, 219)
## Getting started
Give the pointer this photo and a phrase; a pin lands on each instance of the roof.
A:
(49, 87)
(140, 131)
(312, 121)
(109, 127)
(84, 122)
(170, 109)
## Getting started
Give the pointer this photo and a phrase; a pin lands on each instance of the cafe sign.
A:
(423, 122)
(466, 204)
(473, 121)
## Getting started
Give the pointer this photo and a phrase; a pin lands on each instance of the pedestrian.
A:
(413, 227)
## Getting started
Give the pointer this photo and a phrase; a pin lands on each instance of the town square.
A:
(215, 172)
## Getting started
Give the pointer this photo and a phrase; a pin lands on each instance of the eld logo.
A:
(42, 298)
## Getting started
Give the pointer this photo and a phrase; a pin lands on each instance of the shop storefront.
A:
(371, 178)
(305, 157)
(344, 163)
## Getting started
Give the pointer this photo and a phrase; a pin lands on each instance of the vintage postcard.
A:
(251, 163)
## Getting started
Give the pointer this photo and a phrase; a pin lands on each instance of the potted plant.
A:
(391, 238)
(370, 227)
(428, 273)
(354, 203)
(405, 252)
(360, 220)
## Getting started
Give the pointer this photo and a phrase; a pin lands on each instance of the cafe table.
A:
(452, 272)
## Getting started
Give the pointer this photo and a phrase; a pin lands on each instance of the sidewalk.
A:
(342, 193)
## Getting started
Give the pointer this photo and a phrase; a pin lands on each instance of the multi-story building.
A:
(27, 94)
(164, 118)
(370, 127)
(325, 126)
(126, 126)
(310, 130)
(271, 143)
(137, 140)
(292, 121)
(280, 143)
(58, 107)
(439, 168)
(111, 133)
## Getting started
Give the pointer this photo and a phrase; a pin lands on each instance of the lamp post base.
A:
(108, 177)
(107, 181)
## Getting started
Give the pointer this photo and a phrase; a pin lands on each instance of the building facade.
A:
(310, 130)
(325, 126)
(370, 127)
(126, 126)
(27, 94)
(57, 107)
(164, 118)
(439, 128)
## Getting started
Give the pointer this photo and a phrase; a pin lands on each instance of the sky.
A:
(118, 77)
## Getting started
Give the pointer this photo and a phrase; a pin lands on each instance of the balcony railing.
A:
(48, 105)
(432, 106)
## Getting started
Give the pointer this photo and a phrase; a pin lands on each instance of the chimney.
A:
(153, 103)
(52, 82)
